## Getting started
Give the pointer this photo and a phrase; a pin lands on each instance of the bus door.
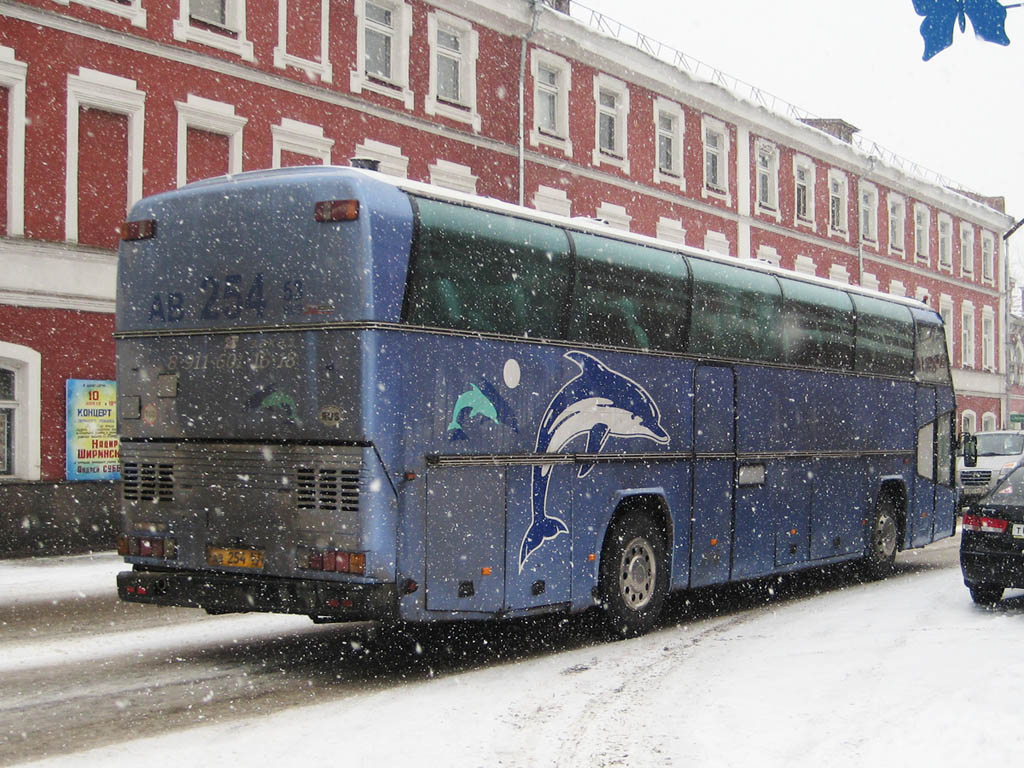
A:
(714, 469)
(922, 528)
(465, 540)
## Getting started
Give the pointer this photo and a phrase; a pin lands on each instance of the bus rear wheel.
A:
(633, 578)
(883, 540)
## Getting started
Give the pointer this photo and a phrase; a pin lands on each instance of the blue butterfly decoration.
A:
(988, 17)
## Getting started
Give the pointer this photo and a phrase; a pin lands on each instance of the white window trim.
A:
(283, 59)
(988, 422)
(27, 366)
(967, 322)
(946, 313)
(671, 230)
(802, 161)
(603, 82)
(897, 288)
(13, 77)
(616, 216)
(716, 242)
(215, 117)
(392, 161)
(805, 265)
(923, 256)
(676, 176)
(967, 233)
(866, 187)
(552, 200)
(455, 176)
(562, 141)
(302, 139)
(988, 345)
(869, 280)
(840, 229)
(109, 93)
(989, 238)
(398, 87)
(133, 11)
(968, 421)
(897, 248)
(234, 11)
(921, 294)
(947, 221)
(771, 209)
(466, 111)
(708, 123)
(839, 273)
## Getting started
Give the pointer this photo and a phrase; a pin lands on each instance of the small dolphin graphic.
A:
(270, 399)
(599, 403)
(477, 403)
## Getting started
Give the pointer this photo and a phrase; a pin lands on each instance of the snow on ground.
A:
(47, 579)
(906, 671)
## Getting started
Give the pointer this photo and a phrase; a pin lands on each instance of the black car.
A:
(992, 540)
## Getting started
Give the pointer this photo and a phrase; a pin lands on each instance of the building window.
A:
(668, 124)
(552, 79)
(988, 257)
(453, 55)
(19, 412)
(897, 224)
(966, 250)
(767, 177)
(838, 194)
(716, 242)
(946, 313)
(200, 120)
(383, 29)
(670, 230)
(945, 242)
(449, 175)
(988, 422)
(13, 78)
(315, 60)
(716, 158)
(922, 225)
(611, 99)
(615, 215)
(552, 200)
(967, 335)
(390, 157)
(868, 213)
(296, 143)
(968, 421)
(803, 192)
(988, 339)
(126, 9)
(215, 23)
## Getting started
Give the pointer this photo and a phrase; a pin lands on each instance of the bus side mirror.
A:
(970, 446)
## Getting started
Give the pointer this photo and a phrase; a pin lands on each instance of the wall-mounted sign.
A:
(93, 447)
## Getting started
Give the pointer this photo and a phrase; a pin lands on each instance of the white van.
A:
(998, 453)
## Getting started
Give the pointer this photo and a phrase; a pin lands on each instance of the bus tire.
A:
(986, 594)
(633, 577)
(882, 539)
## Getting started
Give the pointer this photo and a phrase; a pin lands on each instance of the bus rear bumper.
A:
(231, 593)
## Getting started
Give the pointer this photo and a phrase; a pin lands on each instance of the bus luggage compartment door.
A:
(714, 443)
(465, 539)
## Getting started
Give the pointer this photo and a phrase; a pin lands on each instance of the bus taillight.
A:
(138, 230)
(337, 210)
(331, 560)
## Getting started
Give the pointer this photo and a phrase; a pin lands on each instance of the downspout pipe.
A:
(535, 9)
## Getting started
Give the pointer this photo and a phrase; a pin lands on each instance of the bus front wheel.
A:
(633, 577)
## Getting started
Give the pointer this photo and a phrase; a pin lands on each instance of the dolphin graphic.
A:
(600, 403)
(477, 403)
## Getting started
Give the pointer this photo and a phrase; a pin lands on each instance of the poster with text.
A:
(93, 447)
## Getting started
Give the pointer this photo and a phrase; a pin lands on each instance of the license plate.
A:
(235, 558)
(1018, 530)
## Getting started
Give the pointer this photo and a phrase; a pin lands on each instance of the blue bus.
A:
(356, 397)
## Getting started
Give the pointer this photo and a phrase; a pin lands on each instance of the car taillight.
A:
(331, 560)
(142, 229)
(985, 524)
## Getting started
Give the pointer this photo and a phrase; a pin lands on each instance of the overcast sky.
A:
(958, 114)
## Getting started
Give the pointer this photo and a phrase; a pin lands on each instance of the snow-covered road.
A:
(824, 672)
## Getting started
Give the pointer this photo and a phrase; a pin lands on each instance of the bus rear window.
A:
(475, 270)
(629, 295)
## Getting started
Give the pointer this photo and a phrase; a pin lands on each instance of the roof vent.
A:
(366, 163)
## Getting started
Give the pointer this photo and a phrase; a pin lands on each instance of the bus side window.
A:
(817, 329)
(884, 337)
(629, 295)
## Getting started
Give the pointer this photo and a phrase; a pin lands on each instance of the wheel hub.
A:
(637, 573)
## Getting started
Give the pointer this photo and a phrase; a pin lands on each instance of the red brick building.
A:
(105, 101)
